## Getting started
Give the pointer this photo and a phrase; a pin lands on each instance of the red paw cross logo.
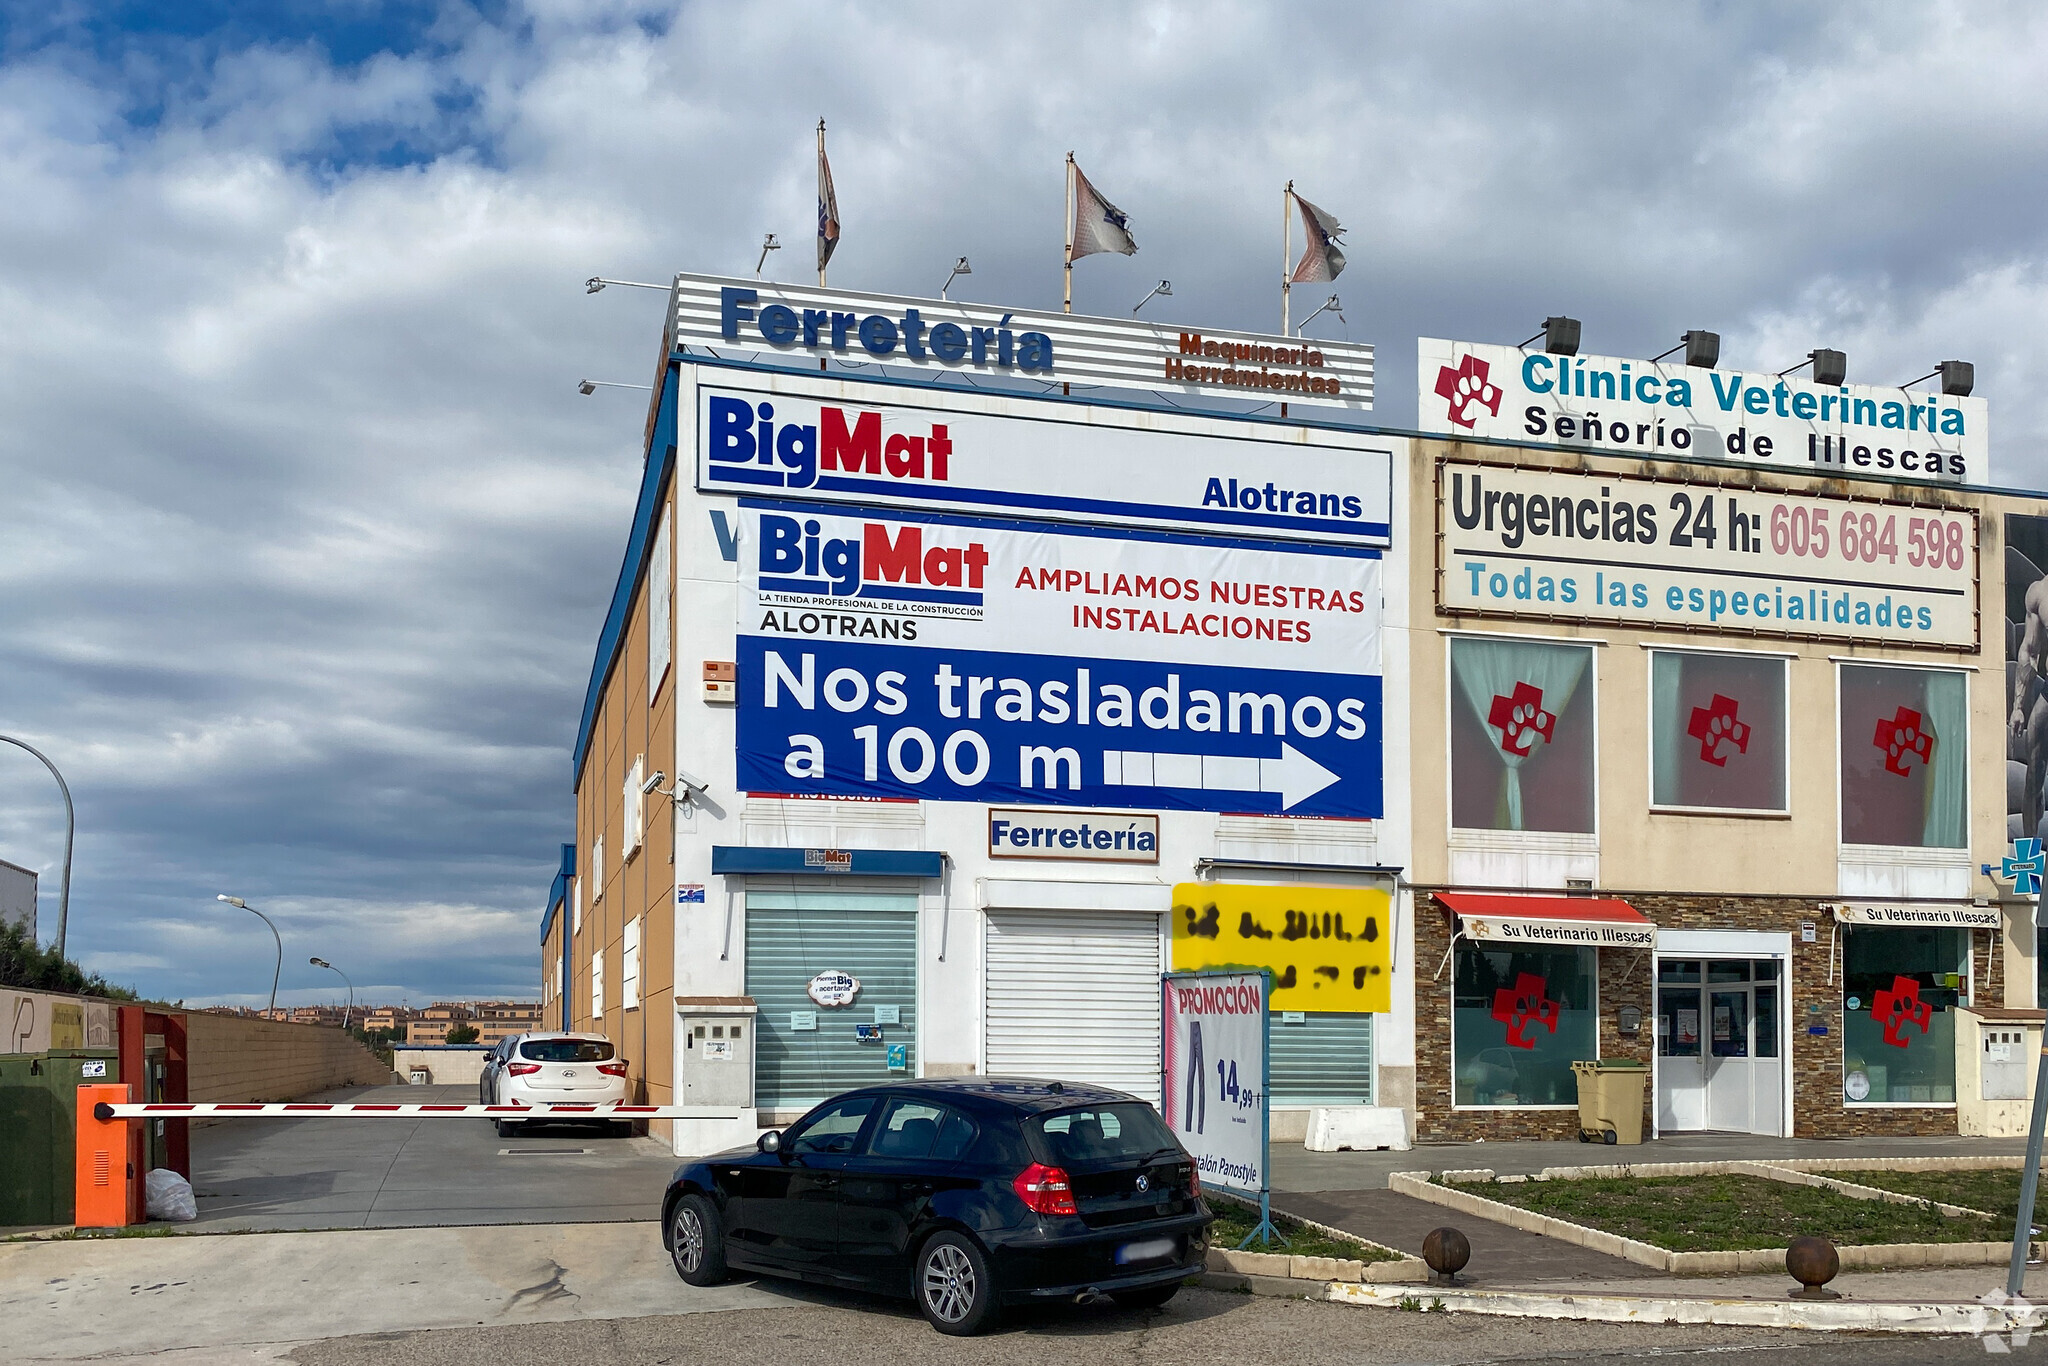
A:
(1525, 1006)
(1894, 1008)
(1466, 391)
(1521, 720)
(1901, 736)
(1715, 727)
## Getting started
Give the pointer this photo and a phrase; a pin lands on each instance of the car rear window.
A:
(1104, 1133)
(566, 1050)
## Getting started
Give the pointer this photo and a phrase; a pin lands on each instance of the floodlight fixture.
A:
(960, 268)
(768, 244)
(1702, 349)
(1560, 336)
(1329, 305)
(587, 387)
(1958, 378)
(1829, 367)
(1163, 289)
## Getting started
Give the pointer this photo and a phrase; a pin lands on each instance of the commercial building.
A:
(1629, 709)
(18, 896)
(1722, 739)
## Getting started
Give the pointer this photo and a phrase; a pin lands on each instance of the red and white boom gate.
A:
(108, 1154)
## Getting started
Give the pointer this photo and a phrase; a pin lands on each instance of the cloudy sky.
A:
(308, 535)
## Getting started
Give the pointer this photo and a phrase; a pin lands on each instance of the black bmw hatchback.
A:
(966, 1195)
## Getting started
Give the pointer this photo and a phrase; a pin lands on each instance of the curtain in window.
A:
(1946, 708)
(1489, 669)
(1664, 728)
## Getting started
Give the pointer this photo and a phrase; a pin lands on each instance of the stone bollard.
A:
(1446, 1251)
(1813, 1262)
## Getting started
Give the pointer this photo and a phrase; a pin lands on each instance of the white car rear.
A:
(560, 1069)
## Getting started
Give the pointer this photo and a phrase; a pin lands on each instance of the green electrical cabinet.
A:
(38, 1130)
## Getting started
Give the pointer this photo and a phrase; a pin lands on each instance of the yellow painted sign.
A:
(1329, 948)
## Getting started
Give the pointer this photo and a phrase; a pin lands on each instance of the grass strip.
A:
(1735, 1213)
(1235, 1221)
(1993, 1190)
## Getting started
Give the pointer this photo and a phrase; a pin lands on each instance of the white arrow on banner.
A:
(1293, 775)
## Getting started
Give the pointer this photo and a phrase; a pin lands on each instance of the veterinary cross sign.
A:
(2024, 867)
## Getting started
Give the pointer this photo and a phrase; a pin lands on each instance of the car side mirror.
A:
(770, 1142)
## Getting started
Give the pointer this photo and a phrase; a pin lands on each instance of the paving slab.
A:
(1501, 1256)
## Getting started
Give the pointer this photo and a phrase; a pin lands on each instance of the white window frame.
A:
(1650, 736)
(661, 598)
(597, 870)
(576, 901)
(635, 808)
(629, 965)
(1456, 942)
(1954, 855)
(1451, 700)
(597, 987)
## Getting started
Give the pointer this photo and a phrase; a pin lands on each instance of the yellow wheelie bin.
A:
(1611, 1100)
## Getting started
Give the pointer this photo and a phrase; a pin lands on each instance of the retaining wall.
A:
(235, 1058)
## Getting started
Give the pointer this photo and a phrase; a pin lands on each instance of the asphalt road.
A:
(272, 1174)
(1198, 1327)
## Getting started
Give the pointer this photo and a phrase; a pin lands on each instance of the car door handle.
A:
(827, 1182)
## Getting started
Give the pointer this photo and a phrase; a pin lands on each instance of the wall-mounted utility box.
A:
(721, 681)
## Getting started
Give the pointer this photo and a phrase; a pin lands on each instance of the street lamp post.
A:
(323, 963)
(279, 969)
(70, 829)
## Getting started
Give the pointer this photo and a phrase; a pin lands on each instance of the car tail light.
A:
(1045, 1190)
(613, 1069)
(523, 1069)
(1194, 1181)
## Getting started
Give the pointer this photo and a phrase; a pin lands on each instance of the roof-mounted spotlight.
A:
(1560, 336)
(1829, 367)
(768, 244)
(1702, 349)
(960, 268)
(1163, 288)
(1958, 378)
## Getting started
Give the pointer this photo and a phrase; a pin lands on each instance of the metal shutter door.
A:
(1324, 1060)
(791, 938)
(1074, 995)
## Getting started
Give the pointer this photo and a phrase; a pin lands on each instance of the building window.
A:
(576, 893)
(597, 988)
(1522, 728)
(1900, 990)
(1905, 757)
(661, 585)
(597, 870)
(635, 805)
(1717, 731)
(629, 965)
(1519, 1019)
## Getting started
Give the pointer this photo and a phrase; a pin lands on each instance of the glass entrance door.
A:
(1718, 1052)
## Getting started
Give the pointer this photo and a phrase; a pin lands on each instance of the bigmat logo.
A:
(746, 446)
(894, 564)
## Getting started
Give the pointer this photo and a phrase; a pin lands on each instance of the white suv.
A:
(558, 1069)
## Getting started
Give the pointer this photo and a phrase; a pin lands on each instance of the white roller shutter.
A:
(1074, 995)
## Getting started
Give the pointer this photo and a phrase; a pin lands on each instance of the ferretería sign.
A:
(1564, 545)
(1679, 412)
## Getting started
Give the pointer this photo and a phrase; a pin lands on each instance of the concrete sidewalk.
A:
(257, 1295)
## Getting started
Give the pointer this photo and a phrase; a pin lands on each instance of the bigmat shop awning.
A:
(1551, 921)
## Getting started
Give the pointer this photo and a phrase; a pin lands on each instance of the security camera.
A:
(654, 780)
(692, 781)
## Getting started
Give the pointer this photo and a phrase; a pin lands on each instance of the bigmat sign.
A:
(1560, 545)
(908, 456)
(1678, 412)
(962, 660)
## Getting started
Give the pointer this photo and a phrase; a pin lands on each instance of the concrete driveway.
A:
(264, 1174)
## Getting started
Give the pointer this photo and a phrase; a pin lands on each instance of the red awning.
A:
(1563, 921)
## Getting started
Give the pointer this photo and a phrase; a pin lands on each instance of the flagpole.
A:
(1068, 304)
(821, 195)
(1286, 250)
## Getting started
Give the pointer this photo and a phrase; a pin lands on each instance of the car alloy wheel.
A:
(950, 1284)
(688, 1239)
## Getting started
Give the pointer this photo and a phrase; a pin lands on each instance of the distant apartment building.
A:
(432, 1024)
(18, 896)
(502, 1019)
(393, 1018)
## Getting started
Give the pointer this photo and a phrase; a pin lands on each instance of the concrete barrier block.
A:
(1359, 1128)
(1325, 1269)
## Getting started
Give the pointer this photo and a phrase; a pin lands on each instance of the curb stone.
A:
(1823, 1316)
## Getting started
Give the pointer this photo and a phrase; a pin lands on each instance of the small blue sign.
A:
(2024, 868)
(899, 1057)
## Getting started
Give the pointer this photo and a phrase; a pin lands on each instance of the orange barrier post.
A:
(109, 1190)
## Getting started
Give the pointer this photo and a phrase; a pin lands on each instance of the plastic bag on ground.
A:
(170, 1196)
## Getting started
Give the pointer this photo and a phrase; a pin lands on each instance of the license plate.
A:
(1151, 1250)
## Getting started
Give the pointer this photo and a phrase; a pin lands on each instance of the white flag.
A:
(1098, 224)
(1322, 259)
(828, 207)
